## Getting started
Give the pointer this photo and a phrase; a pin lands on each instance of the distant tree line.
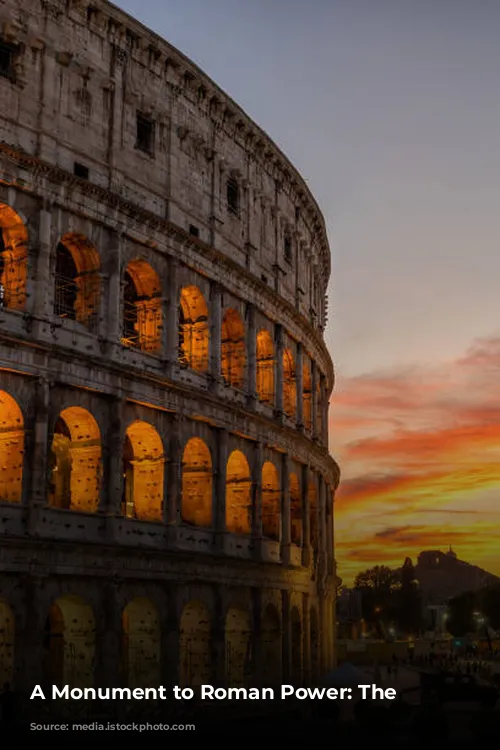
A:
(474, 611)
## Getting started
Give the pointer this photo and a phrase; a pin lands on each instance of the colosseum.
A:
(166, 490)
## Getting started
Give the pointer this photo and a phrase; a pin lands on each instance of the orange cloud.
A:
(413, 444)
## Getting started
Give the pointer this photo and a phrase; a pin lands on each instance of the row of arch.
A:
(75, 474)
(70, 645)
(77, 292)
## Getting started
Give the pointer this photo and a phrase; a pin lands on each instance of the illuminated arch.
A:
(141, 644)
(295, 509)
(238, 651)
(233, 353)
(312, 492)
(197, 483)
(13, 258)
(315, 646)
(238, 494)
(142, 314)
(11, 450)
(296, 644)
(265, 367)
(77, 283)
(307, 396)
(69, 643)
(289, 384)
(143, 470)
(75, 461)
(193, 329)
(195, 667)
(271, 646)
(7, 638)
(271, 502)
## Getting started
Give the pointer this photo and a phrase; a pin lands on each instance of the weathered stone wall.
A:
(137, 294)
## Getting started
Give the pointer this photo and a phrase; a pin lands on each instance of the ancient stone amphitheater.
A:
(166, 491)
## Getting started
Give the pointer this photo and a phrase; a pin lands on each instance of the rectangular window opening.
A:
(79, 170)
(194, 231)
(287, 249)
(7, 53)
(233, 196)
(145, 134)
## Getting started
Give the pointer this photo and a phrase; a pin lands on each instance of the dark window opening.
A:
(66, 288)
(233, 197)
(145, 134)
(194, 230)
(263, 278)
(80, 171)
(287, 248)
(7, 53)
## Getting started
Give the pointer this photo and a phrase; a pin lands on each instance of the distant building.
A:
(441, 576)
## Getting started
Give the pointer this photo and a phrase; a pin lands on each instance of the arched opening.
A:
(143, 473)
(295, 510)
(7, 635)
(195, 654)
(11, 450)
(77, 283)
(142, 314)
(271, 502)
(197, 483)
(319, 410)
(193, 330)
(69, 643)
(307, 396)
(265, 367)
(289, 384)
(13, 258)
(271, 646)
(233, 349)
(315, 650)
(141, 644)
(238, 494)
(238, 648)
(312, 492)
(75, 461)
(296, 628)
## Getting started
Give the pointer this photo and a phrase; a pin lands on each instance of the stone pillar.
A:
(322, 516)
(39, 465)
(171, 320)
(172, 505)
(218, 641)
(287, 637)
(219, 499)
(113, 458)
(114, 290)
(286, 521)
(215, 333)
(251, 347)
(314, 400)
(306, 517)
(257, 650)
(329, 530)
(324, 412)
(109, 640)
(306, 641)
(299, 376)
(323, 626)
(279, 346)
(170, 641)
(42, 302)
(258, 460)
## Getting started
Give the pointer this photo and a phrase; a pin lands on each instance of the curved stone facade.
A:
(166, 491)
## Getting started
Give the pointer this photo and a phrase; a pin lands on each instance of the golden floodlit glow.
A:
(419, 452)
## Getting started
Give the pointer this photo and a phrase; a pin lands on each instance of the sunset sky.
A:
(391, 111)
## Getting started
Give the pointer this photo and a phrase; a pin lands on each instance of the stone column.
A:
(279, 346)
(42, 302)
(114, 289)
(256, 639)
(40, 469)
(324, 412)
(306, 641)
(109, 642)
(251, 347)
(218, 641)
(323, 635)
(329, 530)
(170, 640)
(286, 521)
(112, 501)
(299, 375)
(258, 460)
(215, 334)
(322, 516)
(172, 507)
(314, 400)
(306, 517)
(287, 637)
(219, 499)
(171, 321)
